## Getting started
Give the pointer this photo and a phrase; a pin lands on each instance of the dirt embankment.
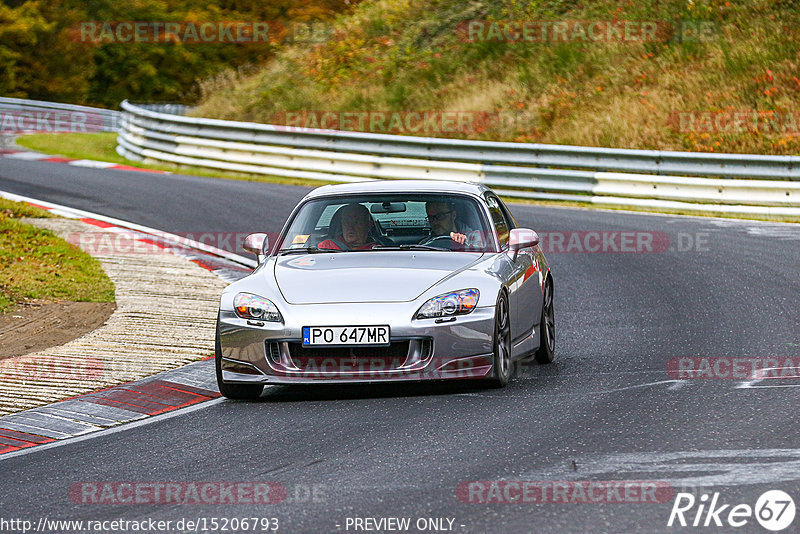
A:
(37, 326)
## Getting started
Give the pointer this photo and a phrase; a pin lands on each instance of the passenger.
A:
(356, 223)
(443, 220)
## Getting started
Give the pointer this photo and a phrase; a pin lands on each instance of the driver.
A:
(442, 217)
(356, 222)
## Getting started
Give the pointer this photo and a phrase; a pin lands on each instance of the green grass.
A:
(622, 207)
(37, 264)
(102, 147)
(15, 210)
(97, 146)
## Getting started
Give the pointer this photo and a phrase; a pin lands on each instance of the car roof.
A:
(399, 186)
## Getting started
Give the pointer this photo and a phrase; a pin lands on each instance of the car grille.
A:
(390, 357)
(400, 355)
(349, 359)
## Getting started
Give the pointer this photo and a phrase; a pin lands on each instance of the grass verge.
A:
(640, 209)
(36, 264)
(672, 90)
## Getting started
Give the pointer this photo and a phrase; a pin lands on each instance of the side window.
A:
(512, 222)
(498, 220)
(325, 217)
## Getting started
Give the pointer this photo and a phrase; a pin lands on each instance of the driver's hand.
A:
(458, 238)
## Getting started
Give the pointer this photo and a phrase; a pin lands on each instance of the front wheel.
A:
(547, 326)
(501, 364)
(233, 391)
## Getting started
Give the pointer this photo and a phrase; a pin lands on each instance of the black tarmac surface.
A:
(606, 410)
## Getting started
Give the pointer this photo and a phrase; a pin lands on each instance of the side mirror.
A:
(257, 244)
(520, 238)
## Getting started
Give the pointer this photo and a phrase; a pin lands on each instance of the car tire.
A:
(502, 366)
(547, 326)
(233, 391)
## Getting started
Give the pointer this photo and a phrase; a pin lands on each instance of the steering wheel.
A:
(442, 241)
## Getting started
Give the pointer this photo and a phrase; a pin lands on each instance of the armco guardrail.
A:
(665, 180)
(18, 115)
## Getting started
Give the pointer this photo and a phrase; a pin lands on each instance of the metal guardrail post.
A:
(735, 183)
(20, 115)
(659, 179)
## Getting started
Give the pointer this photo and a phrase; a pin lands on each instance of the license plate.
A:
(345, 335)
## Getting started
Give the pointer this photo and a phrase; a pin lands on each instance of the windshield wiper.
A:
(307, 250)
(408, 247)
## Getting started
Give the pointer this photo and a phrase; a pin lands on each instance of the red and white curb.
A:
(165, 392)
(28, 155)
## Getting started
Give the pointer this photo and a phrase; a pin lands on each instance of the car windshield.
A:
(436, 222)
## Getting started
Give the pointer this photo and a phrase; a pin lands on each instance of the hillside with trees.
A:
(44, 54)
(704, 75)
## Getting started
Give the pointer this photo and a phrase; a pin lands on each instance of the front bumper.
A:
(272, 353)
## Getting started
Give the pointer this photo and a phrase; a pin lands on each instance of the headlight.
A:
(455, 303)
(254, 307)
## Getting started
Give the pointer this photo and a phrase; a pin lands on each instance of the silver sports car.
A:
(388, 281)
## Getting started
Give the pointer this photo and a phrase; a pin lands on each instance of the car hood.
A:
(365, 276)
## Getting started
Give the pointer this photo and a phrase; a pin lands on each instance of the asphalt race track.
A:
(606, 410)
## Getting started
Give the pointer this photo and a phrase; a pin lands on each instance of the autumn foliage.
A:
(41, 58)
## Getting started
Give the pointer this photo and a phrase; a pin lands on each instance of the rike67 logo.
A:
(774, 510)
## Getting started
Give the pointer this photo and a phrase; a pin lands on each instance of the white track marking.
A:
(92, 163)
(31, 156)
(74, 213)
(105, 432)
(750, 384)
(723, 467)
